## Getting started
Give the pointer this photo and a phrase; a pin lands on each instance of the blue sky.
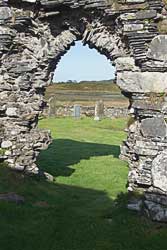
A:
(81, 63)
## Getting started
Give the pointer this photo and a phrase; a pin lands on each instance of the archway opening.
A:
(83, 64)
(85, 79)
(84, 76)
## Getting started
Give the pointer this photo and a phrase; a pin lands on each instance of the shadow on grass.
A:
(63, 153)
(62, 217)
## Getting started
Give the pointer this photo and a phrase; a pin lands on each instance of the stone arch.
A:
(91, 30)
(34, 34)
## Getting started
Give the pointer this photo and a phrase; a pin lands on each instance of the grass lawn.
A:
(85, 208)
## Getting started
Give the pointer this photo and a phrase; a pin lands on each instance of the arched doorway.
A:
(84, 77)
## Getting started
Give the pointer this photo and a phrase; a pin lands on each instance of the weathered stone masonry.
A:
(35, 34)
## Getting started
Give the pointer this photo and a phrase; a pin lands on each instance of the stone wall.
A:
(86, 111)
(35, 34)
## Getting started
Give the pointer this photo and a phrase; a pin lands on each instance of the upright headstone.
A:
(50, 107)
(99, 110)
(52, 110)
(77, 111)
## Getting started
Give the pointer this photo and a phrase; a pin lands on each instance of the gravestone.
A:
(52, 109)
(77, 111)
(99, 110)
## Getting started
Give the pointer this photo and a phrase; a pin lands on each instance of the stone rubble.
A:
(12, 197)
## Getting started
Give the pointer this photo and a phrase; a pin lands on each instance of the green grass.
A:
(85, 208)
(82, 151)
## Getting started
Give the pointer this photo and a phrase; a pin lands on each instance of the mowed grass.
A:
(83, 152)
(85, 208)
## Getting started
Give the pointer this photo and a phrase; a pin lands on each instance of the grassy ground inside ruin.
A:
(85, 208)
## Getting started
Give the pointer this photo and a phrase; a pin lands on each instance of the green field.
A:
(85, 208)
(86, 93)
(94, 86)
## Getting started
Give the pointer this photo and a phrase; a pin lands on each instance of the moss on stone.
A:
(162, 26)
(165, 2)
(116, 5)
(2, 151)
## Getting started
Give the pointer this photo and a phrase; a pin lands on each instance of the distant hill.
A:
(105, 86)
(111, 81)
(86, 93)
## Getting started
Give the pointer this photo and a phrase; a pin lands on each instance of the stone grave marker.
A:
(77, 111)
(99, 110)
